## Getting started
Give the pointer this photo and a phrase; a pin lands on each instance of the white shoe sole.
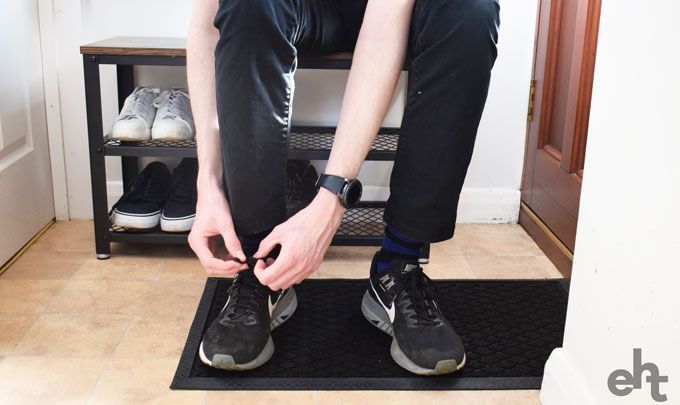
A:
(377, 316)
(177, 224)
(135, 221)
(130, 130)
(283, 311)
(171, 130)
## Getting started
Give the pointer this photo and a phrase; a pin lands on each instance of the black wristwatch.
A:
(349, 191)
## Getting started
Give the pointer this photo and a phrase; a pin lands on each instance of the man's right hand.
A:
(213, 220)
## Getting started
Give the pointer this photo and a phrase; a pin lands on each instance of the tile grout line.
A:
(38, 315)
(109, 360)
(96, 383)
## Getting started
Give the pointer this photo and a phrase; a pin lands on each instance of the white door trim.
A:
(50, 64)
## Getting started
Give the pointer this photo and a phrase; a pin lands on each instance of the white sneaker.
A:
(173, 119)
(136, 118)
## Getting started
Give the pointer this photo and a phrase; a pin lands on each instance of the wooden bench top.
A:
(159, 46)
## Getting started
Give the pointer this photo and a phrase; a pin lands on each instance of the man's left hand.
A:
(304, 239)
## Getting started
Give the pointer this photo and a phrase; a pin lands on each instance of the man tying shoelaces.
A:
(242, 57)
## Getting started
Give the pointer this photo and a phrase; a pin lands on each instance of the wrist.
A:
(329, 201)
(208, 184)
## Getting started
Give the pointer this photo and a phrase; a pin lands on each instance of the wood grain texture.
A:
(160, 46)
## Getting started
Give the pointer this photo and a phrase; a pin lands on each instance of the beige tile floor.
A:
(77, 330)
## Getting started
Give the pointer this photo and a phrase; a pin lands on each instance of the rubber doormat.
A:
(509, 329)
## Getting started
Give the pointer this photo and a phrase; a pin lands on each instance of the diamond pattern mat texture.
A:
(509, 328)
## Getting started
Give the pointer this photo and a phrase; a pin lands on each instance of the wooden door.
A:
(26, 202)
(564, 61)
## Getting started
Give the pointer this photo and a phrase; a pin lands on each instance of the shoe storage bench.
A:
(361, 226)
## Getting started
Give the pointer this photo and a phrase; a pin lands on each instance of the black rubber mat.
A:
(509, 328)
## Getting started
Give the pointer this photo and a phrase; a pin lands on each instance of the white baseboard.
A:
(562, 382)
(476, 205)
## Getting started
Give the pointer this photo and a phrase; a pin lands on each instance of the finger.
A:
(213, 265)
(267, 244)
(274, 271)
(260, 266)
(233, 245)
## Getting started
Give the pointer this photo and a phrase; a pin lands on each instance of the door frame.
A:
(585, 45)
(50, 68)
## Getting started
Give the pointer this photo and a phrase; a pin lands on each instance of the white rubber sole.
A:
(135, 221)
(283, 311)
(177, 224)
(130, 130)
(377, 316)
(171, 130)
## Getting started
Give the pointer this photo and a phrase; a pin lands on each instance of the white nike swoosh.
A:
(271, 305)
(390, 311)
(225, 305)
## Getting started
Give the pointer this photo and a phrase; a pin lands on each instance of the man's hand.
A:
(304, 239)
(213, 219)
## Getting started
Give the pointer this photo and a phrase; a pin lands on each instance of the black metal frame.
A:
(100, 146)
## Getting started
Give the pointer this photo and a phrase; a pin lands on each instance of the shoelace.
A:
(182, 189)
(423, 293)
(152, 191)
(243, 292)
(168, 99)
(134, 103)
(243, 304)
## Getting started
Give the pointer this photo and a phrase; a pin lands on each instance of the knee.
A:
(255, 18)
(470, 20)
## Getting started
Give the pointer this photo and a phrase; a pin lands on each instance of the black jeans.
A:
(451, 50)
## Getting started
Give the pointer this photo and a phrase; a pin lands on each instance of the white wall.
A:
(625, 285)
(491, 192)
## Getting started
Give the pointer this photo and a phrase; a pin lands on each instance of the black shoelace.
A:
(244, 302)
(183, 188)
(153, 191)
(423, 294)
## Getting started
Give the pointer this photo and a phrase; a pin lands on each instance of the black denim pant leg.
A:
(452, 48)
(254, 65)
(255, 62)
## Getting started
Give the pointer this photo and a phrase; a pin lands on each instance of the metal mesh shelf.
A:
(360, 226)
(316, 142)
(153, 147)
(305, 142)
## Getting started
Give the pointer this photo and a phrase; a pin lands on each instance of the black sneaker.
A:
(179, 210)
(300, 185)
(401, 302)
(140, 207)
(239, 338)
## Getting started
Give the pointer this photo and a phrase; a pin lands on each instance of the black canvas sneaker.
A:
(300, 185)
(400, 301)
(240, 337)
(179, 209)
(140, 207)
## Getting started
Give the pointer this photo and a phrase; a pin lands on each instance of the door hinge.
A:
(532, 93)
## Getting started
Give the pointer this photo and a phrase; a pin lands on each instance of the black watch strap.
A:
(334, 184)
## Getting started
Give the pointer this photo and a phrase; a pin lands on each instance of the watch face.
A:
(352, 193)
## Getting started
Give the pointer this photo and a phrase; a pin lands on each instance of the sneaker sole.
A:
(130, 131)
(376, 315)
(177, 224)
(283, 311)
(171, 131)
(135, 221)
